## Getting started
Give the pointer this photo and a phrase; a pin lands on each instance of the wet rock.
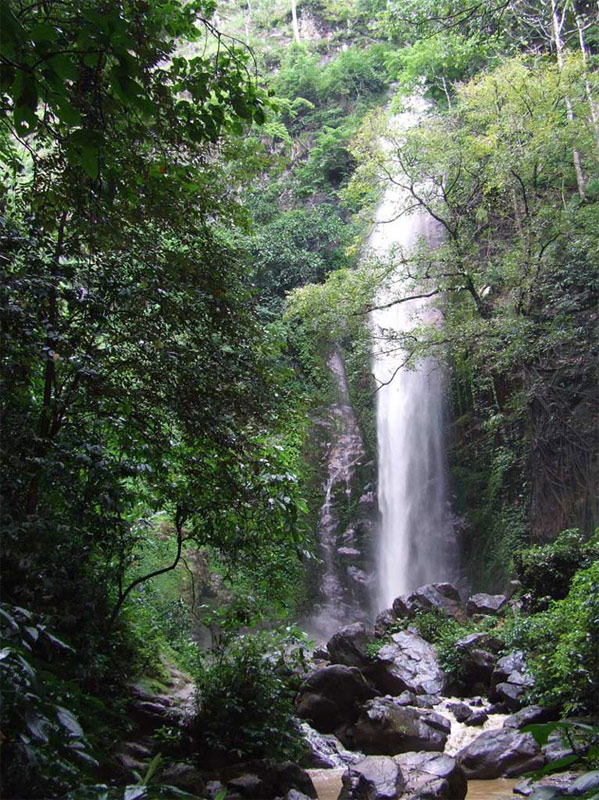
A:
(442, 597)
(325, 751)
(476, 718)
(293, 794)
(426, 701)
(496, 708)
(183, 776)
(332, 696)
(500, 752)
(384, 728)
(556, 747)
(406, 699)
(403, 608)
(558, 783)
(431, 776)
(510, 681)
(320, 654)
(374, 778)
(349, 552)
(589, 782)
(460, 711)
(512, 694)
(384, 622)
(248, 785)
(530, 715)
(407, 663)
(348, 646)
(361, 578)
(279, 779)
(485, 603)
(479, 658)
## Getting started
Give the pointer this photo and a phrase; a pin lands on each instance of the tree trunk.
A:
(556, 26)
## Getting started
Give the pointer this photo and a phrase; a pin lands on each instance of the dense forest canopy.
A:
(187, 193)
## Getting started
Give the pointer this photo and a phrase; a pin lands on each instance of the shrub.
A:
(546, 571)
(562, 645)
(245, 701)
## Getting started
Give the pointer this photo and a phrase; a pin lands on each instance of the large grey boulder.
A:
(332, 696)
(348, 646)
(500, 752)
(407, 663)
(442, 597)
(384, 728)
(374, 778)
(485, 604)
(431, 776)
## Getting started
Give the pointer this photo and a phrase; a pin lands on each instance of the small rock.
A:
(460, 711)
(476, 718)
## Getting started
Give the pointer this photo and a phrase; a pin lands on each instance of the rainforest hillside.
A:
(187, 194)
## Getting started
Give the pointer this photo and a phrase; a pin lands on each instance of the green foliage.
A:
(546, 571)
(563, 648)
(43, 745)
(245, 700)
(580, 737)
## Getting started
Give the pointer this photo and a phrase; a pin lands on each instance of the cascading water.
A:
(416, 544)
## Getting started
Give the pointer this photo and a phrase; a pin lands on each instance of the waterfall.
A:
(415, 543)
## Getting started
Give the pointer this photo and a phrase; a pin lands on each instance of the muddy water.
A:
(327, 783)
(499, 789)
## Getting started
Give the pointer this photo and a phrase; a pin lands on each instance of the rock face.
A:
(332, 696)
(485, 604)
(501, 752)
(410, 664)
(431, 776)
(374, 778)
(348, 646)
(384, 728)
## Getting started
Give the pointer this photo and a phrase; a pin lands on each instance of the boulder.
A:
(293, 794)
(479, 656)
(485, 604)
(403, 608)
(384, 622)
(460, 711)
(348, 646)
(268, 781)
(184, 776)
(408, 663)
(431, 776)
(325, 751)
(406, 699)
(332, 696)
(476, 718)
(530, 715)
(442, 597)
(374, 778)
(559, 783)
(384, 728)
(510, 681)
(500, 752)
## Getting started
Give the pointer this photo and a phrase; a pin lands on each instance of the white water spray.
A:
(416, 542)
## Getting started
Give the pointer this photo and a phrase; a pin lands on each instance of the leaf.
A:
(69, 721)
(541, 731)
(37, 725)
(64, 67)
(134, 793)
(89, 161)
